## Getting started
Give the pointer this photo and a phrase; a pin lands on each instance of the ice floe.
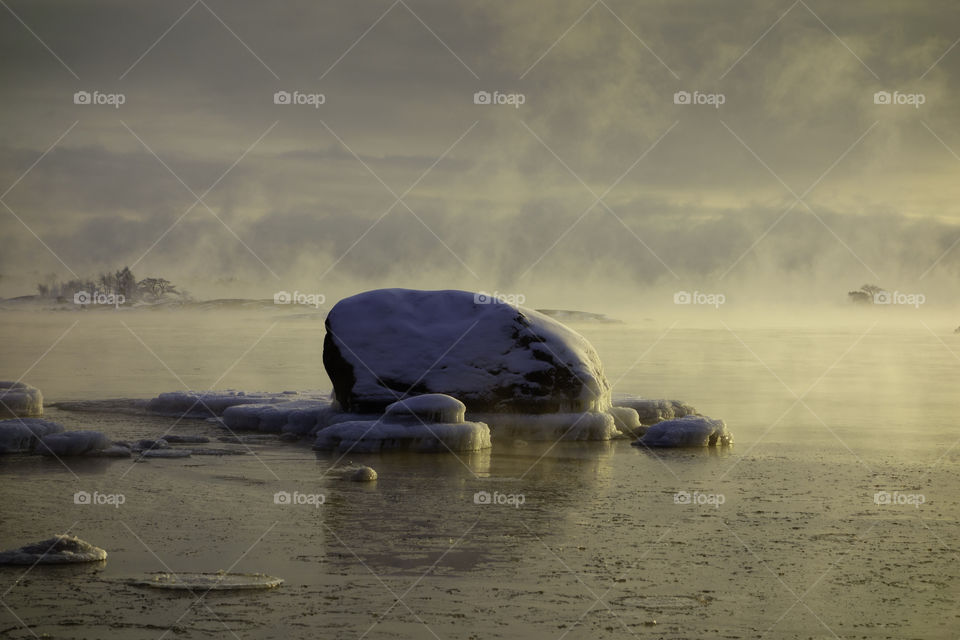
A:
(205, 404)
(203, 582)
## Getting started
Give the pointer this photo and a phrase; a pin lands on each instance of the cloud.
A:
(493, 190)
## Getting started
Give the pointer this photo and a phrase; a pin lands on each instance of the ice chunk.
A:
(363, 474)
(23, 434)
(296, 416)
(371, 436)
(180, 439)
(627, 421)
(688, 431)
(204, 404)
(589, 425)
(18, 399)
(494, 357)
(652, 411)
(203, 582)
(60, 549)
(165, 453)
(73, 443)
(430, 407)
(151, 444)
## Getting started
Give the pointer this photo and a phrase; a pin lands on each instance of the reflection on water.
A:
(506, 539)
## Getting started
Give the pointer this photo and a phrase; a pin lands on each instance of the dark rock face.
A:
(389, 344)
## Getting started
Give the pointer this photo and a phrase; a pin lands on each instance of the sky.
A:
(784, 177)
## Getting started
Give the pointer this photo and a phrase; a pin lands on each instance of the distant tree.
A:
(126, 284)
(156, 288)
(865, 294)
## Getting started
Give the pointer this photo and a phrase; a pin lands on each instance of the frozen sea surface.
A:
(817, 501)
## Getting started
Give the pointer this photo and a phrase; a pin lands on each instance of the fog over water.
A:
(749, 207)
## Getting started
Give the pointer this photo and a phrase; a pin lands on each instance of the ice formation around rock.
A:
(296, 416)
(75, 443)
(18, 399)
(408, 425)
(21, 435)
(688, 431)
(651, 411)
(60, 549)
(206, 404)
(588, 425)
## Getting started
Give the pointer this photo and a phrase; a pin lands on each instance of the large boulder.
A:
(389, 344)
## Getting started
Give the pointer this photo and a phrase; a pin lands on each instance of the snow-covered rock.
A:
(297, 416)
(430, 407)
(73, 443)
(60, 549)
(363, 474)
(18, 399)
(653, 410)
(386, 344)
(688, 431)
(408, 425)
(21, 435)
(627, 421)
